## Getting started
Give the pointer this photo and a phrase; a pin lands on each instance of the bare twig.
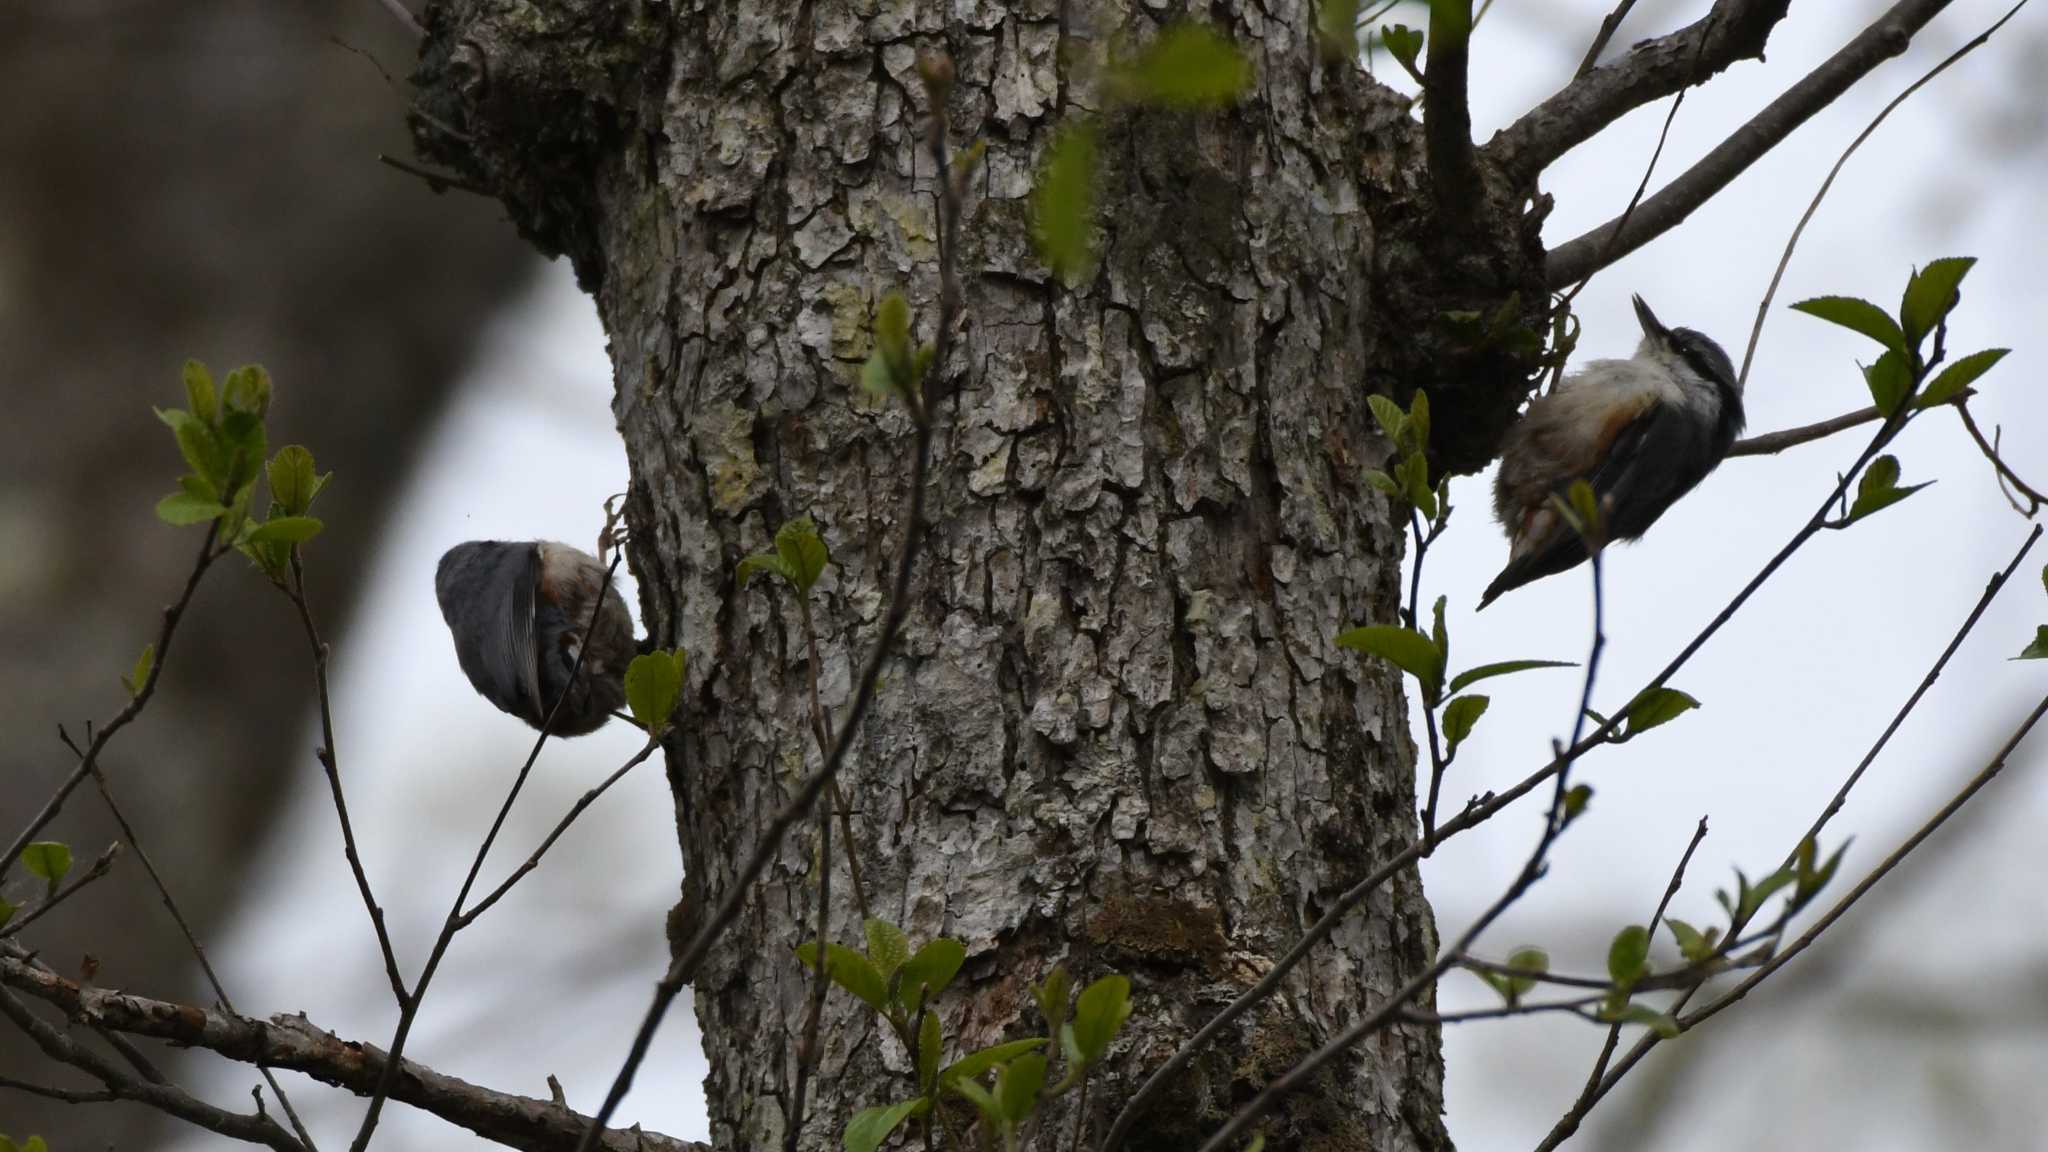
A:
(1554, 824)
(1902, 38)
(64, 1095)
(1576, 1006)
(806, 1053)
(821, 729)
(100, 867)
(166, 1098)
(1885, 38)
(409, 1005)
(96, 741)
(2006, 476)
(684, 966)
(1447, 113)
(294, 1043)
(1609, 25)
(330, 764)
(1732, 30)
(1772, 443)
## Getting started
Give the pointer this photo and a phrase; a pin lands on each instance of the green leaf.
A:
(199, 391)
(802, 551)
(1388, 415)
(1857, 316)
(1931, 293)
(1628, 955)
(1459, 717)
(285, 530)
(1099, 1013)
(1189, 65)
(1889, 382)
(1052, 995)
(244, 445)
(1655, 708)
(871, 1126)
(1418, 420)
(654, 685)
(1374, 478)
(931, 969)
(984, 1102)
(1959, 375)
(139, 676)
(1407, 649)
(199, 445)
(1018, 1085)
(1879, 488)
(1258, 1143)
(892, 337)
(1405, 45)
(848, 969)
(1527, 958)
(247, 390)
(48, 859)
(1337, 29)
(1659, 1022)
(182, 508)
(887, 947)
(1575, 801)
(930, 1046)
(968, 1067)
(293, 483)
(2038, 650)
(1505, 667)
(1413, 474)
(1753, 898)
(1438, 634)
(875, 377)
(1696, 946)
(764, 562)
(1063, 204)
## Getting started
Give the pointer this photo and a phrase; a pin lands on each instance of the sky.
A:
(1919, 1023)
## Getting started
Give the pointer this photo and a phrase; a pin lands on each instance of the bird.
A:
(1641, 432)
(518, 611)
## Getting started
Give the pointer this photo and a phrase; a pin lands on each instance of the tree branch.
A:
(1733, 30)
(1885, 38)
(1608, 27)
(295, 1043)
(1447, 113)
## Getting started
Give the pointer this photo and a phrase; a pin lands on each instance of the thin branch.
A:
(1447, 112)
(1772, 443)
(438, 180)
(409, 1006)
(806, 1053)
(821, 729)
(97, 741)
(329, 763)
(173, 1101)
(1608, 27)
(684, 968)
(100, 867)
(1576, 1006)
(1885, 38)
(2005, 474)
(295, 1043)
(1554, 824)
(561, 826)
(64, 1095)
(1732, 30)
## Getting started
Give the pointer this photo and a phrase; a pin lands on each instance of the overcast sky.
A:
(1924, 1028)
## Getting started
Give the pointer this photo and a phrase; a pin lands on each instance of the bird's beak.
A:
(1651, 327)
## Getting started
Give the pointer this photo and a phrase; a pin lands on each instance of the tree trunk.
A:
(1116, 734)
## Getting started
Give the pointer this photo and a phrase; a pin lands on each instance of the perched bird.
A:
(1640, 431)
(517, 611)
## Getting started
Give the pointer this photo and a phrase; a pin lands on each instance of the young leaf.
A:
(984, 1102)
(1959, 375)
(247, 390)
(876, 378)
(1459, 717)
(887, 947)
(1527, 958)
(892, 336)
(1696, 946)
(1018, 1085)
(1628, 955)
(930, 1046)
(285, 530)
(1099, 1013)
(1052, 994)
(1575, 801)
(1388, 415)
(1659, 1022)
(970, 1066)
(1413, 474)
(1879, 488)
(848, 969)
(871, 1126)
(48, 859)
(1407, 649)
(1404, 44)
(140, 675)
(802, 551)
(1377, 479)
(931, 969)
(1473, 675)
(2038, 650)
(199, 391)
(654, 684)
(1753, 898)
(182, 508)
(1931, 293)
(1063, 204)
(293, 483)
(1189, 65)
(1889, 382)
(1857, 316)
(1438, 634)
(1655, 708)
(1418, 421)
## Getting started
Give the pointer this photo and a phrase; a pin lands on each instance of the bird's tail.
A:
(1565, 551)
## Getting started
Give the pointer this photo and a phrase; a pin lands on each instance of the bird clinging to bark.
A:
(1640, 431)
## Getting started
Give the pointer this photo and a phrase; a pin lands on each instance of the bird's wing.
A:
(519, 631)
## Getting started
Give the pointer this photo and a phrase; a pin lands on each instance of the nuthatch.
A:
(1640, 431)
(517, 611)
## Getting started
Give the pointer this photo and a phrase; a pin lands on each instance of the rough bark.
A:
(1117, 735)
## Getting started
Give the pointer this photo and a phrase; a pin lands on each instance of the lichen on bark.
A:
(1116, 734)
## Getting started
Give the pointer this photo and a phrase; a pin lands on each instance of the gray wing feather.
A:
(486, 592)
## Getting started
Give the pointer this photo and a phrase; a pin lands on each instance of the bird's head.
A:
(1687, 353)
